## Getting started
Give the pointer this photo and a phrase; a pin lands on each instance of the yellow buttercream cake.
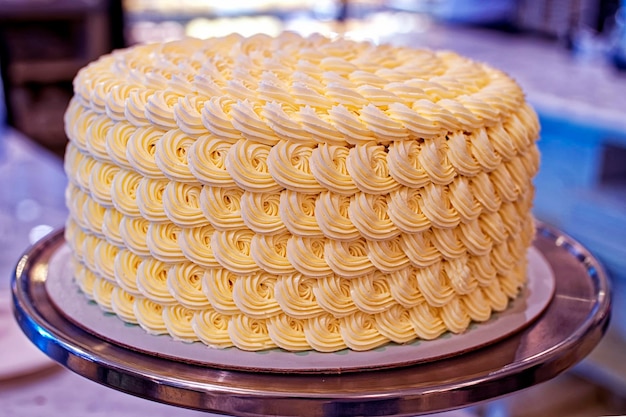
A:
(298, 192)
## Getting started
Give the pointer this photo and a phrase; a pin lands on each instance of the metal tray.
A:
(565, 333)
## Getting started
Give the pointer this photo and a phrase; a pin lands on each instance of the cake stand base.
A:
(568, 329)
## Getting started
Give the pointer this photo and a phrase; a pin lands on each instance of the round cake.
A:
(298, 192)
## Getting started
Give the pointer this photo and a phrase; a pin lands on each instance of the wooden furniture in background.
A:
(42, 46)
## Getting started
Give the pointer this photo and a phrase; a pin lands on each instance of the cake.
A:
(302, 193)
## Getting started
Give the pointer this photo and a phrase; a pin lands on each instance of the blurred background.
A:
(44, 42)
(568, 55)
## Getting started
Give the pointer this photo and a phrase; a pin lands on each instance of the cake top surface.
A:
(301, 89)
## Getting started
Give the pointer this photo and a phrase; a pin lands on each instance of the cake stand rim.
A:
(223, 393)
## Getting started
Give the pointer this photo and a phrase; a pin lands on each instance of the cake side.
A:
(304, 193)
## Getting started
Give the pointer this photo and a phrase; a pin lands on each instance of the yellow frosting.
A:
(298, 192)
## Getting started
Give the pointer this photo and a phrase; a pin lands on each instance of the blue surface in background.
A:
(573, 195)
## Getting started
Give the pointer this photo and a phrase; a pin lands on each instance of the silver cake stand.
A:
(570, 327)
